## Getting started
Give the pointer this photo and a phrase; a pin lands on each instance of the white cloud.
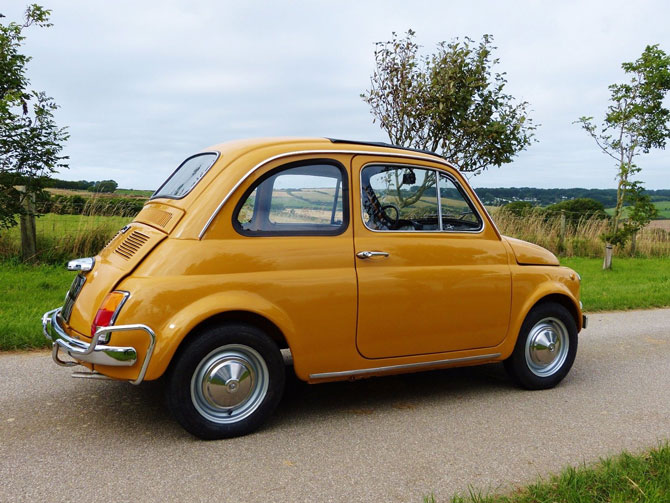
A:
(144, 84)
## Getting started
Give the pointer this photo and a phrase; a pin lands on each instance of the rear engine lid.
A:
(121, 255)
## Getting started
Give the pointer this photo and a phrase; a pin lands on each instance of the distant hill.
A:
(544, 197)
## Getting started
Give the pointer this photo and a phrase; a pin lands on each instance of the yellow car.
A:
(361, 259)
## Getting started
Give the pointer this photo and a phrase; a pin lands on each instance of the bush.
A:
(580, 208)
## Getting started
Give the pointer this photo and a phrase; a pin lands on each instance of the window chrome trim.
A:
(346, 210)
(406, 366)
(217, 155)
(216, 211)
(437, 186)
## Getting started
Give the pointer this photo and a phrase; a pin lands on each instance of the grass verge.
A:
(633, 283)
(26, 293)
(624, 478)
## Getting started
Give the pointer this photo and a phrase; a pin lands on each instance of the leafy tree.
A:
(449, 102)
(576, 209)
(30, 141)
(518, 208)
(636, 121)
(103, 186)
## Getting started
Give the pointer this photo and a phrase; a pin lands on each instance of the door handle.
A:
(370, 254)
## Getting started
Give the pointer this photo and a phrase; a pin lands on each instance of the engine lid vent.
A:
(131, 244)
(158, 217)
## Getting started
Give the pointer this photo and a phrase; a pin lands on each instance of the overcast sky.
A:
(143, 84)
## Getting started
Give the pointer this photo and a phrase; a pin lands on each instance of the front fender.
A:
(530, 285)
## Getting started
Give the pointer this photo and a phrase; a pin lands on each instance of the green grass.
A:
(633, 283)
(622, 479)
(27, 292)
(133, 192)
(63, 237)
(663, 208)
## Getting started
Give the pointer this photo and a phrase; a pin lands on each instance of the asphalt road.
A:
(386, 439)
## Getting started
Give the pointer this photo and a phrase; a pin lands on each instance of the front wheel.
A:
(226, 381)
(546, 347)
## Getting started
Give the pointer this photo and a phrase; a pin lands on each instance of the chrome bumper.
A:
(93, 352)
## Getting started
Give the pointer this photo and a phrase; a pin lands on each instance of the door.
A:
(432, 272)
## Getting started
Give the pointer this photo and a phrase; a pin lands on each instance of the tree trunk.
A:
(28, 232)
(607, 263)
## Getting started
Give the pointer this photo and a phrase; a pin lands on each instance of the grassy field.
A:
(64, 237)
(633, 283)
(26, 292)
(622, 479)
(663, 208)
(133, 193)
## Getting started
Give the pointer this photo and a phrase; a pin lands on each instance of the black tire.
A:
(540, 359)
(226, 381)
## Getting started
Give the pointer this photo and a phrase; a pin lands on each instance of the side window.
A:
(399, 198)
(406, 198)
(304, 199)
(457, 211)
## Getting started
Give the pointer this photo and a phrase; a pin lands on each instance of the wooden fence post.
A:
(28, 231)
(607, 263)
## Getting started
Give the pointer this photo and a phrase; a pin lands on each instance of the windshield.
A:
(186, 176)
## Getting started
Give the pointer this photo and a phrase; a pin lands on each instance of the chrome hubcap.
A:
(547, 347)
(229, 383)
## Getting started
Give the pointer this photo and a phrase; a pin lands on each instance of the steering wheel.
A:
(392, 222)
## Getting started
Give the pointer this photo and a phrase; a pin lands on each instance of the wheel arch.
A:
(549, 291)
(565, 301)
(216, 309)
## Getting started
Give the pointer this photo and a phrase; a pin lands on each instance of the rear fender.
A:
(173, 332)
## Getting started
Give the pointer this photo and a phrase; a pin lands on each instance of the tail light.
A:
(109, 310)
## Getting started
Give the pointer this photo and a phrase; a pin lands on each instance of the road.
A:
(385, 439)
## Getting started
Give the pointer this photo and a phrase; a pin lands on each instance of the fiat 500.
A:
(360, 259)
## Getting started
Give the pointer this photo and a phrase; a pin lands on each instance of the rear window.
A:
(186, 176)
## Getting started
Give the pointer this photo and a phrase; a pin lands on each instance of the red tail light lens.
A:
(109, 310)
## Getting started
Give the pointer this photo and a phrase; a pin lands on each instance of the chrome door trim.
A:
(406, 366)
(316, 152)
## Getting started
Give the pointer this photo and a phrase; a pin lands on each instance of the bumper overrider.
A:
(95, 352)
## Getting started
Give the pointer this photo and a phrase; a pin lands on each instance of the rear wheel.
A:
(226, 382)
(545, 349)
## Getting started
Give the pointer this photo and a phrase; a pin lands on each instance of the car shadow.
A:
(140, 411)
(387, 394)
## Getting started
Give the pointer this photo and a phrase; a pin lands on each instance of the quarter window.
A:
(305, 199)
(186, 176)
(406, 198)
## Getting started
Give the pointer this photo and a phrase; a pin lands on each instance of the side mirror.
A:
(408, 178)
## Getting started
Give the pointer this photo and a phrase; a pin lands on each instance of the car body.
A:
(361, 259)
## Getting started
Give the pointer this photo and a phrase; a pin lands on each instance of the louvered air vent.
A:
(131, 244)
(159, 217)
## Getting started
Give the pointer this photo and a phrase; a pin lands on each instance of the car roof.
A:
(236, 148)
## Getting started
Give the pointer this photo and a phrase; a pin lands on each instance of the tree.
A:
(30, 141)
(635, 122)
(518, 208)
(581, 207)
(449, 102)
(103, 186)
